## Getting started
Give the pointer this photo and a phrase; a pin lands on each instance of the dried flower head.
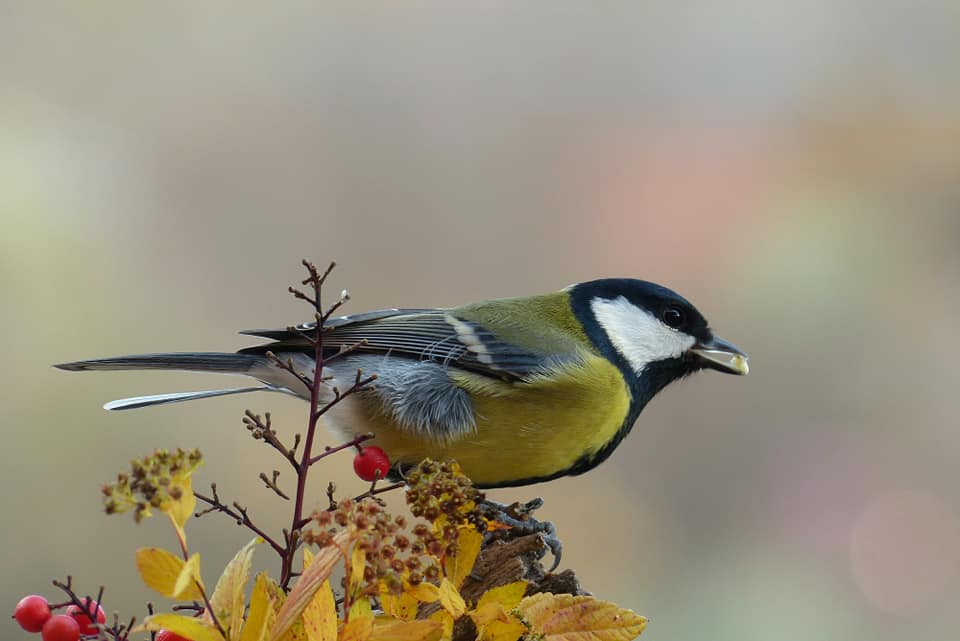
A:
(441, 493)
(395, 552)
(154, 483)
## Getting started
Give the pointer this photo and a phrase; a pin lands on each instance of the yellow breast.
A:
(526, 430)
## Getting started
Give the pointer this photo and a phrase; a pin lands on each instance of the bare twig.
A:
(153, 634)
(213, 615)
(333, 450)
(339, 396)
(272, 484)
(301, 459)
(374, 490)
(344, 297)
(301, 296)
(262, 429)
(89, 607)
(239, 515)
(347, 349)
(315, 280)
(288, 366)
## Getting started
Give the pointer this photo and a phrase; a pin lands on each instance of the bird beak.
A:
(720, 355)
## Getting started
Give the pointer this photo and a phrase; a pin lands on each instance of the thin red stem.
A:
(295, 526)
(339, 448)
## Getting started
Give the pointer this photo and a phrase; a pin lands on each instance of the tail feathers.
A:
(190, 361)
(177, 397)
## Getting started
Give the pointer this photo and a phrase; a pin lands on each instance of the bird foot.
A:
(518, 518)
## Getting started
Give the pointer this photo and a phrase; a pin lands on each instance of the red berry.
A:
(371, 463)
(167, 635)
(61, 627)
(80, 614)
(32, 612)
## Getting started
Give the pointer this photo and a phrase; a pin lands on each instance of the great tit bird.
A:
(518, 390)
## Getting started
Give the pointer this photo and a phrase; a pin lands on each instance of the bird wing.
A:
(424, 334)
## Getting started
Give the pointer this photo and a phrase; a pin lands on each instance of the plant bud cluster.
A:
(397, 554)
(152, 483)
(441, 493)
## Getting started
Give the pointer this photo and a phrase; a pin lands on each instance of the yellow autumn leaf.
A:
(187, 627)
(484, 614)
(491, 615)
(320, 616)
(451, 600)
(446, 624)
(458, 566)
(160, 569)
(508, 595)
(423, 630)
(296, 632)
(181, 509)
(357, 629)
(227, 599)
(307, 585)
(494, 604)
(360, 609)
(423, 592)
(275, 592)
(509, 630)
(262, 612)
(403, 606)
(358, 560)
(189, 577)
(563, 617)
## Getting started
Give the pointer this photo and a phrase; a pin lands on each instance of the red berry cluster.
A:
(34, 615)
(371, 464)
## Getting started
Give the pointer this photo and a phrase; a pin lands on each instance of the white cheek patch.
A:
(637, 334)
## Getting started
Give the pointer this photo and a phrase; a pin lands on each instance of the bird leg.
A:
(518, 517)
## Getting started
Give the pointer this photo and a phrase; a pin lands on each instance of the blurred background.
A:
(791, 167)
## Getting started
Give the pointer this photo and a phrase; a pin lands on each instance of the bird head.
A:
(651, 331)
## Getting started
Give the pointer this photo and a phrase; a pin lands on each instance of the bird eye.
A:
(673, 317)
